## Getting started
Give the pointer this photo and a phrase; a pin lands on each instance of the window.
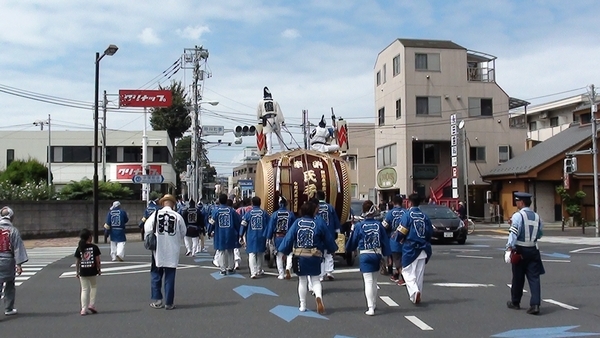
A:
(386, 156)
(429, 105)
(396, 65)
(398, 109)
(354, 190)
(480, 107)
(381, 115)
(10, 156)
(585, 118)
(426, 153)
(554, 121)
(75, 154)
(132, 154)
(351, 162)
(384, 70)
(160, 154)
(477, 154)
(532, 126)
(378, 78)
(503, 154)
(427, 61)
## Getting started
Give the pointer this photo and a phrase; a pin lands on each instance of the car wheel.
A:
(462, 240)
(350, 258)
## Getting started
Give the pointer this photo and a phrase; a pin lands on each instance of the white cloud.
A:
(193, 33)
(149, 37)
(290, 33)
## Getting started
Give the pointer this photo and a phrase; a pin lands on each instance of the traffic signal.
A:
(244, 131)
(570, 165)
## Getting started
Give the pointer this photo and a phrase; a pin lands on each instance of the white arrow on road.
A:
(463, 285)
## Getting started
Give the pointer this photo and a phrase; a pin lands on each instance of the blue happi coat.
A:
(255, 226)
(370, 238)
(415, 230)
(152, 207)
(117, 219)
(308, 233)
(392, 220)
(328, 214)
(279, 224)
(225, 223)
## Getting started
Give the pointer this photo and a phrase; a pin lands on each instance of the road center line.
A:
(566, 306)
(480, 257)
(389, 301)
(419, 323)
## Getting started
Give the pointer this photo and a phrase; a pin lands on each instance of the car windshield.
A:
(439, 212)
(356, 207)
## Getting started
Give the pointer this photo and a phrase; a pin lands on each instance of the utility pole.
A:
(195, 58)
(145, 169)
(592, 95)
(104, 104)
(41, 123)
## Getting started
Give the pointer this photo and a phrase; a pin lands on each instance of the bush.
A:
(572, 203)
(29, 191)
(84, 190)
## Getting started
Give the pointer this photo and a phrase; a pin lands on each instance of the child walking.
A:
(88, 267)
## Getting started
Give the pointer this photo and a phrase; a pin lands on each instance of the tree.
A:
(572, 203)
(20, 172)
(84, 190)
(175, 119)
(182, 154)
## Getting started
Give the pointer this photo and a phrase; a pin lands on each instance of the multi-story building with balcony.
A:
(361, 160)
(72, 156)
(420, 87)
(545, 120)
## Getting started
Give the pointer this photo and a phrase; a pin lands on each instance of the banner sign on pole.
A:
(145, 98)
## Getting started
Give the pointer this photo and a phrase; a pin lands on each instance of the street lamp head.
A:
(111, 50)
(213, 103)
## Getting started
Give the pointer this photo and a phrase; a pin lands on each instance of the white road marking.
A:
(480, 257)
(419, 323)
(18, 283)
(389, 301)
(566, 306)
(347, 270)
(585, 249)
(510, 286)
(386, 283)
(463, 285)
(556, 260)
(465, 250)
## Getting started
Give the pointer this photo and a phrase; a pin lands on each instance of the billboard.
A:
(145, 98)
(127, 171)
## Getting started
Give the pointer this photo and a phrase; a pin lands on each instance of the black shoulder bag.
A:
(150, 239)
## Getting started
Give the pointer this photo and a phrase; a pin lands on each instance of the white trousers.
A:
(288, 263)
(88, 291)
(225, 259)
(370, 279)
(413, 276)
(117, 249)
(269, 137)
(325, 148)
(255, 261)
(327, 265)
(303, 282)
(191, 244)
(236, 255)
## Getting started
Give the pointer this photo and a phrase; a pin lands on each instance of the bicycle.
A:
(470, 226)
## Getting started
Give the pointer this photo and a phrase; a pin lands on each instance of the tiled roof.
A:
(442, 44)
(544, 151)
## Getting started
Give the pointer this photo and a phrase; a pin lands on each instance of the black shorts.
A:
(202, 231)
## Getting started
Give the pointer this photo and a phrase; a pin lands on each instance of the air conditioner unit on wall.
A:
(544, 115)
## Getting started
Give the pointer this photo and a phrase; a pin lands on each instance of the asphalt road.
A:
(465, 295)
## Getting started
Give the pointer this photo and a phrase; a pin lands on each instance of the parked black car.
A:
(447, 226)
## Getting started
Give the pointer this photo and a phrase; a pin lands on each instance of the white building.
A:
(419, 85)
(72, 155)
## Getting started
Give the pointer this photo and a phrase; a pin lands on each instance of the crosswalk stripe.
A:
(388, 300)
(566, 306)
(419, 323)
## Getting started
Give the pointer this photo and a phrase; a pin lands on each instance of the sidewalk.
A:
(550, 229)
(64, 242)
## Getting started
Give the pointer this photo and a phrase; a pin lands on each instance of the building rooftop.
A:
(442, 44)
(543, 152)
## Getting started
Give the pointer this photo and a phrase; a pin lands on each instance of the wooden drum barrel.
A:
(297, 175)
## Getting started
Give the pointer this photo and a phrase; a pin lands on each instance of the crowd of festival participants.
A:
(304, 244)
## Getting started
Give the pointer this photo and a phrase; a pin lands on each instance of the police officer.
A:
(522, 251)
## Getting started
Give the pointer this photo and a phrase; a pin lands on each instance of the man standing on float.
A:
(270, 116)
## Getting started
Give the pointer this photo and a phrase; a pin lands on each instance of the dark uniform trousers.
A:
(532, 267)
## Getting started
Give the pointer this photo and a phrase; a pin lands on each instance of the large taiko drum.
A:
(298, 174)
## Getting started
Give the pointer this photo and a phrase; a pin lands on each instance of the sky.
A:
(312, 54)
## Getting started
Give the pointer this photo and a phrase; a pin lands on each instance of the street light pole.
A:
(48, 153)
(594, 153)
(111, 50)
